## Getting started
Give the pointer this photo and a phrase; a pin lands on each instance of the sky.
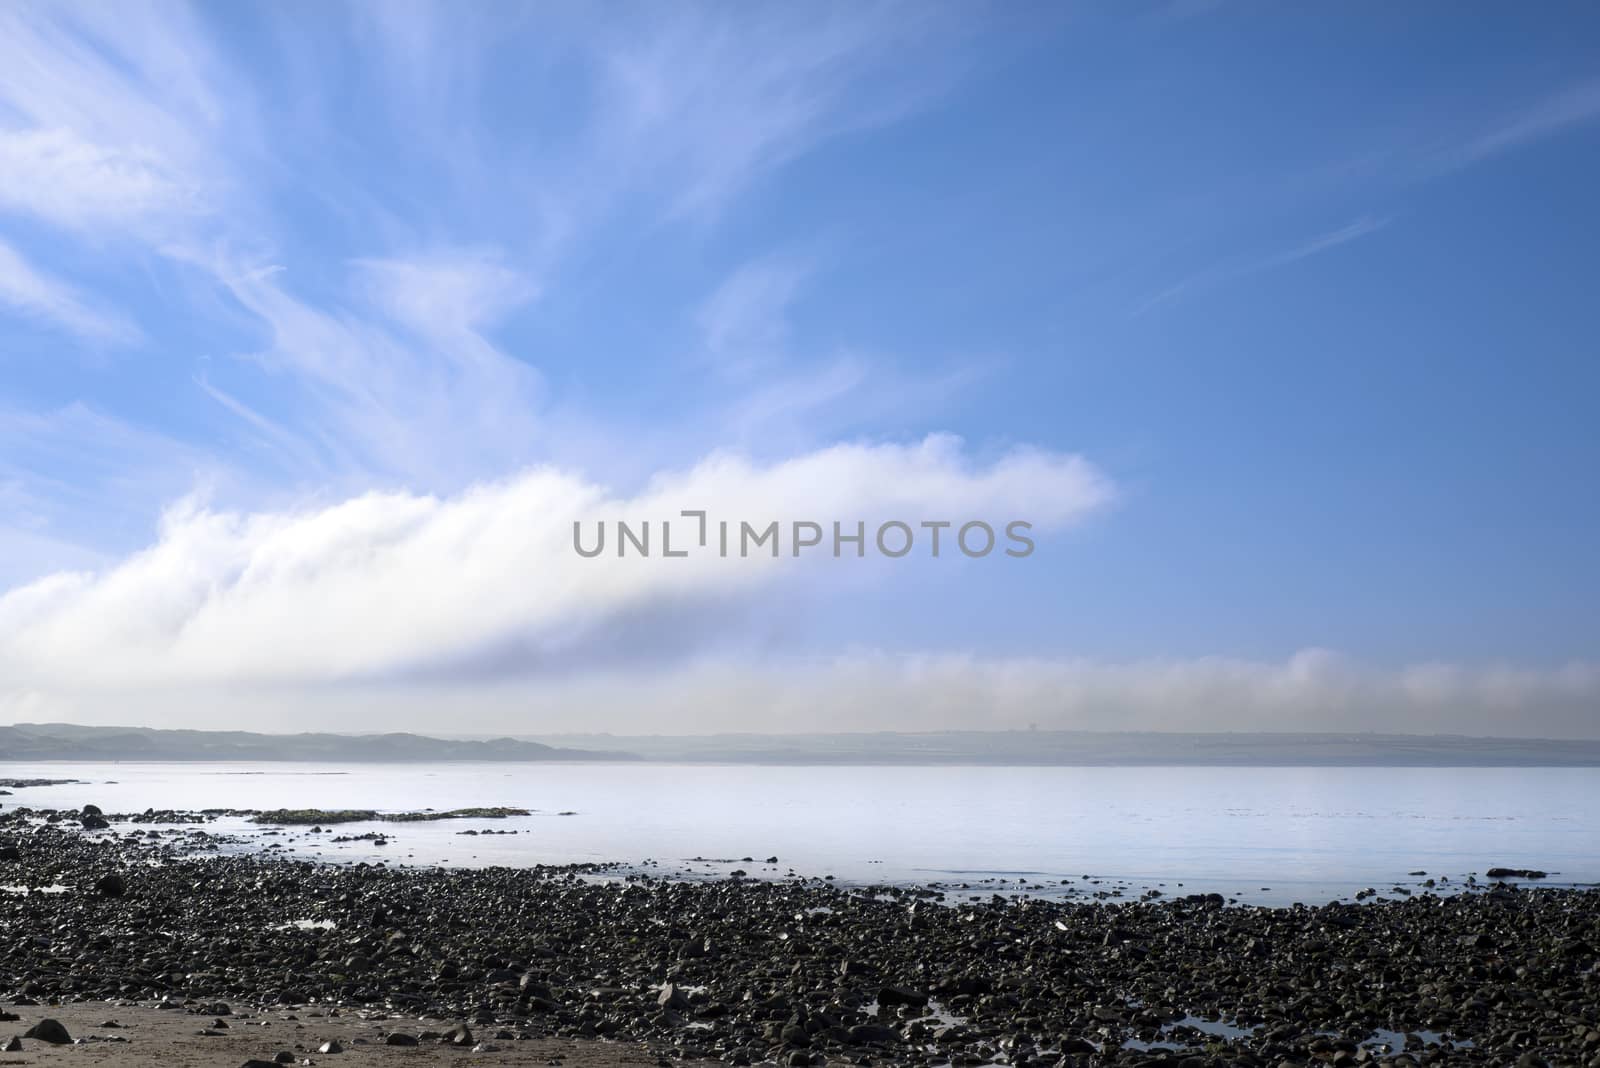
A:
(322, 324)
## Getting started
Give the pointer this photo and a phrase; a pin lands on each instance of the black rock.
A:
(50, 1031)
(112, 885)
(899, 995)
(1515, 873)
(14, 1046)
(94, 823)
(872, 1035)
(400, 1038)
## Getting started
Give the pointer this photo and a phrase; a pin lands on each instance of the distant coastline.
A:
(1036, 748)
(66, 741)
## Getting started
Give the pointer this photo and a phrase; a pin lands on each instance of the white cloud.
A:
(37, 295)
(386, 584)
(57, 175)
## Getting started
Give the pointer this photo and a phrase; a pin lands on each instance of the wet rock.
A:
(112, 885)
(872, 1035)
(899, 995)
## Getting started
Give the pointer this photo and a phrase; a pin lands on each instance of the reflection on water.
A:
(1308, 834)
(1181, 1034)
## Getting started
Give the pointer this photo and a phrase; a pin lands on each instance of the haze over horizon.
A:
(320, 328)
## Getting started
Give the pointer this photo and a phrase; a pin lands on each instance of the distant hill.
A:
(1100, 748)
(66, 741)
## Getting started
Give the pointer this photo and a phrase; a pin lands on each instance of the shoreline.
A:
(301, 834)
(801, 972)
(1275, 840)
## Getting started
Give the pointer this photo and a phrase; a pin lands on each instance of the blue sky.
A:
(1287, 317)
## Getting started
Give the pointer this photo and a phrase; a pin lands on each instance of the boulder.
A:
(50, 1031)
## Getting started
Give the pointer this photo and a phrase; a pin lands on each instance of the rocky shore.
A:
(797, 972)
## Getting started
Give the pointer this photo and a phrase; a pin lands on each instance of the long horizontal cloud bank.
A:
(474, 612)
(1314, 690)
(385, 586)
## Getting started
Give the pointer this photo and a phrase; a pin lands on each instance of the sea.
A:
(1271, 836)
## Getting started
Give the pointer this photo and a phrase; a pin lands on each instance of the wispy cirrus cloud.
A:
(37, 295)
(744, 323)
(1243, 267)
(1550, 116)
(55, 174)
(107, 124)
(1426, 150)
(415, 394)
(710, 98)
(777, 394)
(74, 467)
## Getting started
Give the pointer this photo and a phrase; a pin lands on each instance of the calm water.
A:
(1308, 834)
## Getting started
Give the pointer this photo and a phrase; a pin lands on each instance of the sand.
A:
(171, 1037)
